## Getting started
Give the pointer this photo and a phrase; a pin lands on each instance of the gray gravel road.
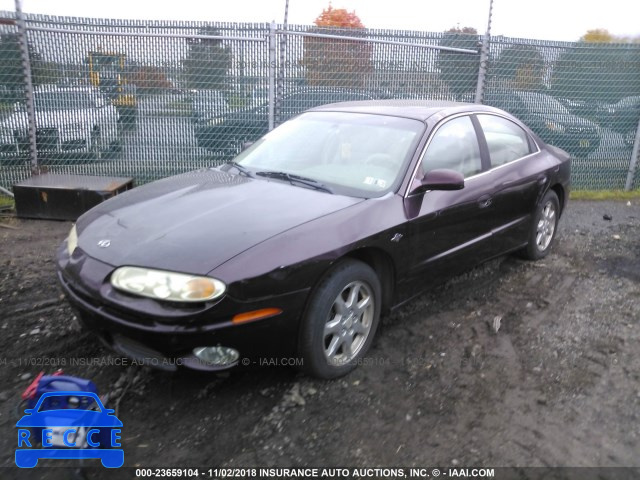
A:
(557, 385)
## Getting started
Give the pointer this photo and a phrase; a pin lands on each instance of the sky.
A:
(565, 20)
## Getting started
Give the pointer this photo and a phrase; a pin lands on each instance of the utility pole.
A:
(484, 58)
(28, 87)
(281, 66)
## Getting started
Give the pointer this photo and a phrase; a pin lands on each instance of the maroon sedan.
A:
(298, 246)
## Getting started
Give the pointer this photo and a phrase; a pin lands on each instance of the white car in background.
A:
(68, 119)
(208, 104)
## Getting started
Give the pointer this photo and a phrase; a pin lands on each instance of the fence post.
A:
(484, 58)
(281, 63)
(634, 160)
(272, 73)
(28, 87)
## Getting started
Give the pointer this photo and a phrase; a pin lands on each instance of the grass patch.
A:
(6, 204)
(604, 195)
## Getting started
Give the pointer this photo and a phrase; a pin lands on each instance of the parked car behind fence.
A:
(550, 119)
(68, 119)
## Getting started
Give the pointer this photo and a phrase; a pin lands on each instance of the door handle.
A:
(485, 201)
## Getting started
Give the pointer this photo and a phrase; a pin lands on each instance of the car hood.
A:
(48, 118)
(199, 220)
(569, 120)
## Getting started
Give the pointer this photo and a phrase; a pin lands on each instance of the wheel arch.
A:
(558, 189)
(382, 264)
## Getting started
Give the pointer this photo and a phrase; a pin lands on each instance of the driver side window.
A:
(454, 146)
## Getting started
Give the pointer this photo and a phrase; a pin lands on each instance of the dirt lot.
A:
(557, 385)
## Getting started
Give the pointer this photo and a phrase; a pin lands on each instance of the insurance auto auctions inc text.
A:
(353, 473)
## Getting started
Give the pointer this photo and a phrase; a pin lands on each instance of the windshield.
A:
(539, 103)
(63, 101)
(354, 154)
(66, 401)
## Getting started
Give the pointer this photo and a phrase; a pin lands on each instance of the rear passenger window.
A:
(454, 146)
(506, 140)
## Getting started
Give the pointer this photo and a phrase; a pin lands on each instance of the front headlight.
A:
(170, 286)
(72, 240)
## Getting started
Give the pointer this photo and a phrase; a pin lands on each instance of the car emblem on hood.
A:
(104, 243)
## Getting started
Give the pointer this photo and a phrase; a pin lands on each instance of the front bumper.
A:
(164, 335)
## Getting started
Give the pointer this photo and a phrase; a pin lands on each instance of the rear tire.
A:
(341, 319)
(543, 227)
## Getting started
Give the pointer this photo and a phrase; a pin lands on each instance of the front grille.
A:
(142, 353)
(46, 139)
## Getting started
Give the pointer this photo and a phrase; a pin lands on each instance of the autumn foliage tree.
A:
(598, 35)
(338, 17)
(602, 69)
(149, 80)
(602, 35)
(337, 63)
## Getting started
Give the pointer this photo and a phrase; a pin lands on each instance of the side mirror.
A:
(246, 145)
(439, 179)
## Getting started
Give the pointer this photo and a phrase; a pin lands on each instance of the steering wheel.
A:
(382, 160)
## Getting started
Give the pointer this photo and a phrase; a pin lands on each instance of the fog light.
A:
(219, 356)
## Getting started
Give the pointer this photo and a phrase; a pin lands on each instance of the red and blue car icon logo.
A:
(84, 428)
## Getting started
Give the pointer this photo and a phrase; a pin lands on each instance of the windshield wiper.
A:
(242, 169)
(309, 182)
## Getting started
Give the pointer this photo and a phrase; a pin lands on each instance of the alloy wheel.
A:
(546, 226)
(349, 323)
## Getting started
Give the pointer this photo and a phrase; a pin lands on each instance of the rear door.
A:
(517, 175)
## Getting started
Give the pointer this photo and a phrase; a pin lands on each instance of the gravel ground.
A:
(558, 383)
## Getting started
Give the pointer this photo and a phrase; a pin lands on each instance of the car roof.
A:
(415, 109)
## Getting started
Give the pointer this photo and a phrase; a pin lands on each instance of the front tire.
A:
(543, 228)
(341, 320)
(96, 143)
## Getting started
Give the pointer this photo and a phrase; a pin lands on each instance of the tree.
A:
(597, 72)
(459, 70)
(11, 75)
(598, 35)
(521, 67)
(338, 63)
(602, 35)
(338, 17)
(207, 62)
(150, 80)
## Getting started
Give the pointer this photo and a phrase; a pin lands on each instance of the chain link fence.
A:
(151, 99)
(584, 98)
